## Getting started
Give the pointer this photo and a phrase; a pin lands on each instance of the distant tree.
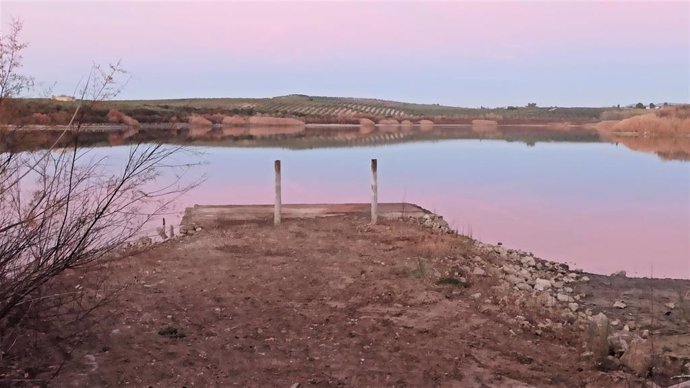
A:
(532, 105)
(666, 104)
(639, 105)
(651, 105)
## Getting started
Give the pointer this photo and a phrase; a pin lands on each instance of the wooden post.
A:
(374, 192)
(276, 210)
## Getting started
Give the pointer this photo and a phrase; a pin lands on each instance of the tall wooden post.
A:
(276, 209)
(374, 192)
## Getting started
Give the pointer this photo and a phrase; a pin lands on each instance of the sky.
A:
(451, 53)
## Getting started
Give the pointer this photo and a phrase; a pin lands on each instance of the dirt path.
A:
(323, 302)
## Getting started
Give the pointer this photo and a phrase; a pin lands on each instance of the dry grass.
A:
(654, 124)
(671, 121)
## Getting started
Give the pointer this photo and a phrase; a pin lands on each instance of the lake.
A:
(598, 206)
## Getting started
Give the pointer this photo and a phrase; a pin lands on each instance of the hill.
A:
(310, 109)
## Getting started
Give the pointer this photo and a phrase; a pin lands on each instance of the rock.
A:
(476, 296)
(670, 305)
(573, 306)
(564, 298)
(514, 279)
(584, 279)
(686, 368)
(619, 274)
(528, 261)
(619, 304)
(295, 385)
(631, 325)
(546, 300)
(507, 268)
(525, 274)
(479, 272)
(542, 284)
(639, 356)
(597, 337)
(90, 362)
(524, 286)
(618, 343)
(645, 333)
(478, 259)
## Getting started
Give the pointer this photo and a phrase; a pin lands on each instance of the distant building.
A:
(63, 97)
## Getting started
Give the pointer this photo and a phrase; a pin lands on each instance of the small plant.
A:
(420, 270)
(171, 332)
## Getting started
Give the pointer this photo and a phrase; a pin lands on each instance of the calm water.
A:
(598, 206)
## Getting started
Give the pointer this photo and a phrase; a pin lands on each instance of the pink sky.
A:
(202, 48)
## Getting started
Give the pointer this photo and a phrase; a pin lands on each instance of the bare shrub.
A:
(12, 82)
(63, 208)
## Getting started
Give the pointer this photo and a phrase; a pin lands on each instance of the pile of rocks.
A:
(549, 282)
(622, 347)
(436, 223)
(190, 229)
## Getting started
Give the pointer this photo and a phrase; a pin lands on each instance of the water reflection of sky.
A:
(597, 205)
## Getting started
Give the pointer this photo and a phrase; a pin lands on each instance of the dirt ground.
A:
(320, 302)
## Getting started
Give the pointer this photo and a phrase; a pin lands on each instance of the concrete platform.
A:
(210, 216)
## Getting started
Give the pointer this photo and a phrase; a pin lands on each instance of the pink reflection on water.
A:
(595, 240)
(599, 218)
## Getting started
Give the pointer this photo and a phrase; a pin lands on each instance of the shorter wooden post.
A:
(374, 192)
(277, 207)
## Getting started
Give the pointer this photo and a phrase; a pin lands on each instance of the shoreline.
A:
(331, 297)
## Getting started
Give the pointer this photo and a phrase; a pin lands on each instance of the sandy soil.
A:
(319, 302)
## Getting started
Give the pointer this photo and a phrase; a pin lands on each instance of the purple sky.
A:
(455, 53)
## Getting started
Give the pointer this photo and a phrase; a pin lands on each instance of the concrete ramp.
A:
(212, 216)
